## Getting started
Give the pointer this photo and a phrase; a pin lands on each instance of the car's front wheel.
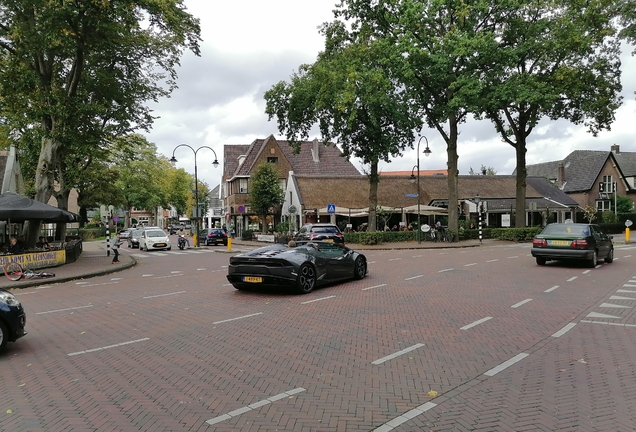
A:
(4, 335)
(360, 268)
(610, 256)
(541, 261)
(306, 279)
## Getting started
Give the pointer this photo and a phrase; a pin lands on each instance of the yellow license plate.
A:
(252, 279)
(160, 245)
(560, 242)
(328, 240)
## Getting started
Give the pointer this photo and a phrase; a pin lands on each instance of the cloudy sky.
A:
(250, 45)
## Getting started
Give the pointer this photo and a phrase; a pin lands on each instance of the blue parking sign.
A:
(331, 208)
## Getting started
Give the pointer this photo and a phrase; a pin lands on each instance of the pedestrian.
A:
(115, 248)
(14, 246)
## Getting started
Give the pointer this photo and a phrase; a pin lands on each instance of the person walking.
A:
(115, 248)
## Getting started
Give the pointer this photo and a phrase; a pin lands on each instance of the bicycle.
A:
(15, 272)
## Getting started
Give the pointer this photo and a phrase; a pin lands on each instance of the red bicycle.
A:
(15, 272)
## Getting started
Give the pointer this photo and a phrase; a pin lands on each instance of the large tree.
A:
(80, 73)
(352, 99)
(265, 191)
(556, 60)
(430, 48)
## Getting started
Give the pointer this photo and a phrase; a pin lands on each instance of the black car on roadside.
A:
(572, 242)
(213, 236)
(133, 238)
(326, 232)
(12, 319)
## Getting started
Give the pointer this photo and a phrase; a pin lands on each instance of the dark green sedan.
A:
(573, 241)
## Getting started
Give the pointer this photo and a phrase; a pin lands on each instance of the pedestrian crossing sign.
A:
(331, 208)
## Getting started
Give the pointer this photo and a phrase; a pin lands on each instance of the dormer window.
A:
(272, 159)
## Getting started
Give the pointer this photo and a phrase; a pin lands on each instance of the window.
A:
(272, 159)
(603, 205)
(243, 185)
(607, 185)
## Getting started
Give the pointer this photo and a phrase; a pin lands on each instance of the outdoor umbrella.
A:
(18, 208)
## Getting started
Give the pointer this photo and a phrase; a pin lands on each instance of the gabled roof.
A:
(581, 168)
(443, 172)
(318, 191)
(330, 160)
(627, 163)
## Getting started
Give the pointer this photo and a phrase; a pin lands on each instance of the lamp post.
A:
(196, 185)
(427, 152)
(479, 208)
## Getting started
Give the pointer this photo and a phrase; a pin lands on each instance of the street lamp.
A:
(196, 185)
(427, 152)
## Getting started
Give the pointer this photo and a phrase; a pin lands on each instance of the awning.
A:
(18, 208)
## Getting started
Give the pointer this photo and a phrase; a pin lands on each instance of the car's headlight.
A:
(8, 299)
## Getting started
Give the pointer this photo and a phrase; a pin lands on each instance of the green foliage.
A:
(624, 204)
(265, 192)
(247, 234)
(283, 227)
(608, 217)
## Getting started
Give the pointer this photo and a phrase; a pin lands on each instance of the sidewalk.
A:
(94, 262)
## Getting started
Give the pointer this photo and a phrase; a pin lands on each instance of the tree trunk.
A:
(62, 202)
(374, 179)
(451, 151)
(44, 180)
(520, 213)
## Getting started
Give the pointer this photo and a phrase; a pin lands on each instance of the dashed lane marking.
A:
(373, 287)
(492, 260)
(514, 306)
(255, 405)
(318, 299)
(414, 277)
(107, 347)
(445, 270)
(551, 289)
(164, 295)
(389, 426)
(572, 278)
(506, 364)
(63, 310)
(471, 264)
(237, 318)
(397, 354)
(564, 330)
(587, 271)
(476, 323)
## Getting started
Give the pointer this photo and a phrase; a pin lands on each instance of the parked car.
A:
(12, 319)
(133, 238)
(302, 267)
(154, 239)
(123, 234)
(320, 232)
(573, 241)
(213, 236)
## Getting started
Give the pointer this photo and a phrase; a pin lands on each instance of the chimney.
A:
(561, 175)
(314, 151)
(616, 149)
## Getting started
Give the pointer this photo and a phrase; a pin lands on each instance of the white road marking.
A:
(389, 426)
(168, 276)
(445, 270)
(373, 287)
(395, 259)
(600, 315)
(614, 306)
(606, 323)
(629, 286)
(512, 257)
(255, 405)
(108, 347)
(587, 271)
(201, 269)
(471, 264)
(147, 275)
(63, 310)
(81, 283)
(176, 271)
(318, 299)
(23, 293)
(397, 354)
(621, 298)
(116, 279)
(414, 277)
(520, 303)
(551, 289)
(572, 278)
(44, 287)
(163, 295)
(492, 260)
(476, 323)
(506, 364)
(100, 284)
(237, 318)
(626, 256)
(626, 291)
(564, 330)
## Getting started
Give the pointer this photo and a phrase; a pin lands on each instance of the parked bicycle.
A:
(15, 272)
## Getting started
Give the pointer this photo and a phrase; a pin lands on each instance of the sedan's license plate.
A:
(328, 240)
(560, 242)
(252, 279)
(160, 245)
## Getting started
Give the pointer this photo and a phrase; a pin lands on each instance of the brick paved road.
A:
(419, 345)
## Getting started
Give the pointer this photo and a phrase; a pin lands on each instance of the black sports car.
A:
(302, 266)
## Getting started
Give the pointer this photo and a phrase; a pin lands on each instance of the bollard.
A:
(107, 242)
(229, 244)
(627, 235)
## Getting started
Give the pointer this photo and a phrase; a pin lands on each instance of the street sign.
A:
(412, 195)
(292, 209)
(241, 209)
(116, 218)
(331, 208)
(628, 223)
